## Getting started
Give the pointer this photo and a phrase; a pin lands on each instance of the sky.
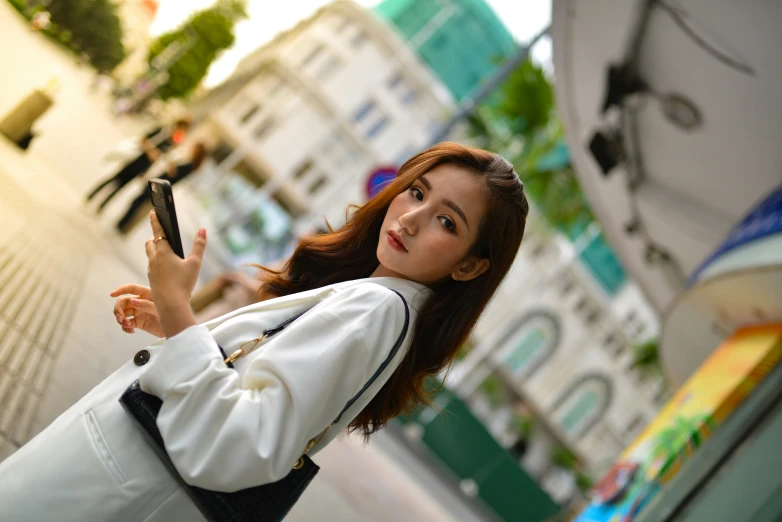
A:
(524, 18)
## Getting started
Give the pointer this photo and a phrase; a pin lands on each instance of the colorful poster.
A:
(714, 391)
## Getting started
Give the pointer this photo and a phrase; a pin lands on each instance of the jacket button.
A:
(141, 358)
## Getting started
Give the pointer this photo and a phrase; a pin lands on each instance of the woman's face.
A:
(430, 228)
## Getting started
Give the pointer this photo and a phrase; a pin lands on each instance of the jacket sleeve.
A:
(226, 434)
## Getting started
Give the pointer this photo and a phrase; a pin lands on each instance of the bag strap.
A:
(394, 350)
(385, 363)
(280, 327)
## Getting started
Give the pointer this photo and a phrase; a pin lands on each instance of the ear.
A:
(470, 269)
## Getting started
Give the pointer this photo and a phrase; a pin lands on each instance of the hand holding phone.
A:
(163, 203)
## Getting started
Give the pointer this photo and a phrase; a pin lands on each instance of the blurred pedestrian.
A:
(153, 145)
(344, 338)
(174, 174)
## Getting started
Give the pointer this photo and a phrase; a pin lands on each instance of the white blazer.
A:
(224, 429)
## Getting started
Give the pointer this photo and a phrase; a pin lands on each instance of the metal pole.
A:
(467, 105)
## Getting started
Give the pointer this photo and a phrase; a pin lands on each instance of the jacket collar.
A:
(414, 293)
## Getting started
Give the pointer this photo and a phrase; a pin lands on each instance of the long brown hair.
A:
(447, 318)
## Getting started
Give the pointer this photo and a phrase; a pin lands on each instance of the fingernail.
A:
(126, 324)
(135, 302)
(119, 319)
(202, 233)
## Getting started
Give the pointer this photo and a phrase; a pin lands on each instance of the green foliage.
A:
(91, 28)
(523, 127)
(464, 350)
(527, 99)
(563, 458)
(494, 389)
(88, 28)
(523, 425)
(647, 357)
(583, 482)
(204, 35)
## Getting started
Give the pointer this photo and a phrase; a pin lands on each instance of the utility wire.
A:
(679, 20)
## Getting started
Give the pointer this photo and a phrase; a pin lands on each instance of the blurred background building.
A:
(136, 17)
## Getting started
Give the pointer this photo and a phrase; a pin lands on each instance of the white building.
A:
(135, 16)
(307, 117)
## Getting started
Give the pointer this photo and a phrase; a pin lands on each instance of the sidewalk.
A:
(58, 339)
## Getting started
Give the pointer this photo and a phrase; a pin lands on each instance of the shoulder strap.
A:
(383, 366)
(271, 331)
(385, 363)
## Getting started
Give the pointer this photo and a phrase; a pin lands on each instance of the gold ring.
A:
(161, 238)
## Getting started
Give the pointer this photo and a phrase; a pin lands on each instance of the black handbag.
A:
(266, 503)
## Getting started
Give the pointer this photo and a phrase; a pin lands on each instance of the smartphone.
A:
(163, 202)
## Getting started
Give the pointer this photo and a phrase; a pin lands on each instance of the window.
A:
(583, 404)
(409, 96)
(439, 41)
(377, 127)
(252, 111)
(277, 86)
(395, 81)
(221, 152)
(364, 111)
(317, 185)
(370, 120)
(342, 23)
(359, 39)
(566, 285)
(592, 316)
(528, 343)
(313, 54)
(329, 67)
(302, 170)
(264, 128)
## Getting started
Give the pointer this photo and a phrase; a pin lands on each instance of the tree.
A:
(91, 28)
(201, 39)
(521, 124)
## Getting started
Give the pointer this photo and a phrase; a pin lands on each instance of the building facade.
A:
(461, 41)
(136, 17)
(304, 120)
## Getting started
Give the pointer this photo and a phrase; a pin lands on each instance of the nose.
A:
(409, 222)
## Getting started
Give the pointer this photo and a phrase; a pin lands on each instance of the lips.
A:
(396, 242)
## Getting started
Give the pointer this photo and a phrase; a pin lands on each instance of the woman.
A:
(174, 175)
(443, 235)
(153, 145)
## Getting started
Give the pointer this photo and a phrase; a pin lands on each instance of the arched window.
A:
(583, 404)
(529, 342)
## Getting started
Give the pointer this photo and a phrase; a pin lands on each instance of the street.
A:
(59, 261)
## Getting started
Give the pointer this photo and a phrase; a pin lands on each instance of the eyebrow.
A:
(447, 202)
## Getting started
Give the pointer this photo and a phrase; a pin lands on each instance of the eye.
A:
(417, 194)
(447, 223)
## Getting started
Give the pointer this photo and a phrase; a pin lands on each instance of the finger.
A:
(143, 292)
(157, 228)
(199, 246)
(122, 308)
(128, 330)
(150, 249)
(142, 305)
